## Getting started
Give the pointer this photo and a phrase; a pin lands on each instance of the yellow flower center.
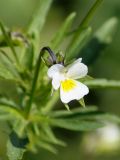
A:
(68, 85)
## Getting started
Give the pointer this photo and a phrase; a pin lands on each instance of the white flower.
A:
(65, 78)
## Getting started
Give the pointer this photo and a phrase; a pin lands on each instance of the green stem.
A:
(36, 74)
(85, 21)
(8, 40)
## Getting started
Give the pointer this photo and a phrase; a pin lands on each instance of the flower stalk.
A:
(36, 74)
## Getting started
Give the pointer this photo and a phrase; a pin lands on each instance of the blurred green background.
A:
(82, 145)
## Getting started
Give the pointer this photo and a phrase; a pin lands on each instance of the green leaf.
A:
(16, 147)
(39, 18)
(103, 83)
(37, 23)
(90, 13)
(100, 40)
(27, 57)
(49, 106)
(15, 42)
(9, 42)
(12, 111)
(8, 102)
(77, 43)
(77, 111)
(81, 34)
(5, 117)
(47, 146)
(9, 73)
(62, 33)
(2, 41)
(8, 64)
(51, 136)
(41, 140)
(6, 74)
(109, 117)
(89, 113)
(107, 31)
(76, 124)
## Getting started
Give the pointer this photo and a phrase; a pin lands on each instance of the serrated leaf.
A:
(103, 83)
(61, 34)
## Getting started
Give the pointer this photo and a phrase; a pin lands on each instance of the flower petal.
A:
(77, 92)
(55, 70)
(77, 70)
(56, 83)
(76, 61)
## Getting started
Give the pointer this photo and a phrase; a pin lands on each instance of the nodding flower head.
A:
(65, 79)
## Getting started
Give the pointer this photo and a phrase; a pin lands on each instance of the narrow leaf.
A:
(77, 43)
(100, 40)
(77, 38)
(39, 17)
(90, 13)
(107, 30)
(47, 146)
(61, 34)
(51, 136)
(77, 111)
(11, 111)
(9, 42)
(77, 124)
(103, 83)
(27, 58)
(6, 74)
(8, 64)
(37, 23)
